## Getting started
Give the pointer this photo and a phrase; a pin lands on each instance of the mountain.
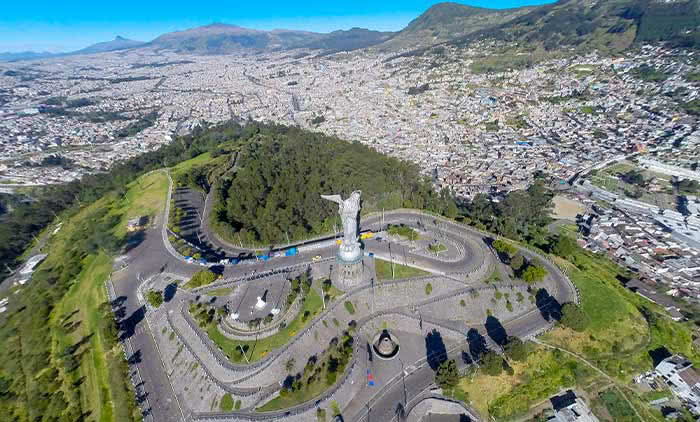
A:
(351, 39)
(118, 43)
(612, 25)
(219, 38)
(447, 21)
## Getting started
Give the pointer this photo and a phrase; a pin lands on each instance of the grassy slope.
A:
(383, 269)
(258, 350)
(615, 322)
(543, 374)
(186, 166)
(105, 391)
(619, 338)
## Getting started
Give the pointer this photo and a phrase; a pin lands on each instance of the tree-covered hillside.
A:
(282, 173)
(605, 25)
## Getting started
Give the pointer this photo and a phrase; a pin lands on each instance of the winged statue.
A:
(348, 210)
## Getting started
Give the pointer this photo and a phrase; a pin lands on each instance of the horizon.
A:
(51, 27)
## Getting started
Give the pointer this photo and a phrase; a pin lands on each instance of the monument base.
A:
(348, 275)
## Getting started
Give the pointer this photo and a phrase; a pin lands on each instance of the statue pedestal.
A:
(349, 273)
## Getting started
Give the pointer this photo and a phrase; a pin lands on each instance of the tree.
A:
(517, 349)
(290, 364)
(504, 247)
(492, 363)
(573, 317)
(451, 210)
(534, 273)
(447, 374)
(517, 262)
(155, 298)
(564, 246)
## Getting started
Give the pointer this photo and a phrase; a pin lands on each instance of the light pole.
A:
(403, 379)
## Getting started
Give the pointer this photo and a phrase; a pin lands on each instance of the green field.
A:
(383, 269)
(258, 350)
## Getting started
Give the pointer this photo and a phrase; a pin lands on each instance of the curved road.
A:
(154, 255)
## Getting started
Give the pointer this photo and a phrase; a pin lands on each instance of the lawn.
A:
(223, 291)
(258, 350)
(383, 269)
(103, 387)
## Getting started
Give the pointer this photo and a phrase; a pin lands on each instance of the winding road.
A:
(154, 255)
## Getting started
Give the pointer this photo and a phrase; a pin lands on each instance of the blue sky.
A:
(64, 25)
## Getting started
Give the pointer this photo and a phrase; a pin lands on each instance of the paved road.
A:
(144, 261)
(152, 256)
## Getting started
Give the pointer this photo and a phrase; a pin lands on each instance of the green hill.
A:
(283, 171)
(607, 25)
(446, 21)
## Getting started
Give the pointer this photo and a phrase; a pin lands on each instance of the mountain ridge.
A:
(611, 25)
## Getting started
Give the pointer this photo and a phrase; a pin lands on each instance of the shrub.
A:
(447, 374)
(534, 273)
(349, 307)
(492, 364)
(517, 262)
(517, 349)
(201, 278)
(155, 298)
(226, 404)
(573, 317)
(504, 247)
(428, 289)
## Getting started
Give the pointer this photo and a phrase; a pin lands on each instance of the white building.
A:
(569, 408)
(679, 374)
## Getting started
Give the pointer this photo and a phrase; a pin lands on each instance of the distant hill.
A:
(222, 38)
(446, 21)
(118, 43)
(606, 25)
(351, 39)
(24, 55)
